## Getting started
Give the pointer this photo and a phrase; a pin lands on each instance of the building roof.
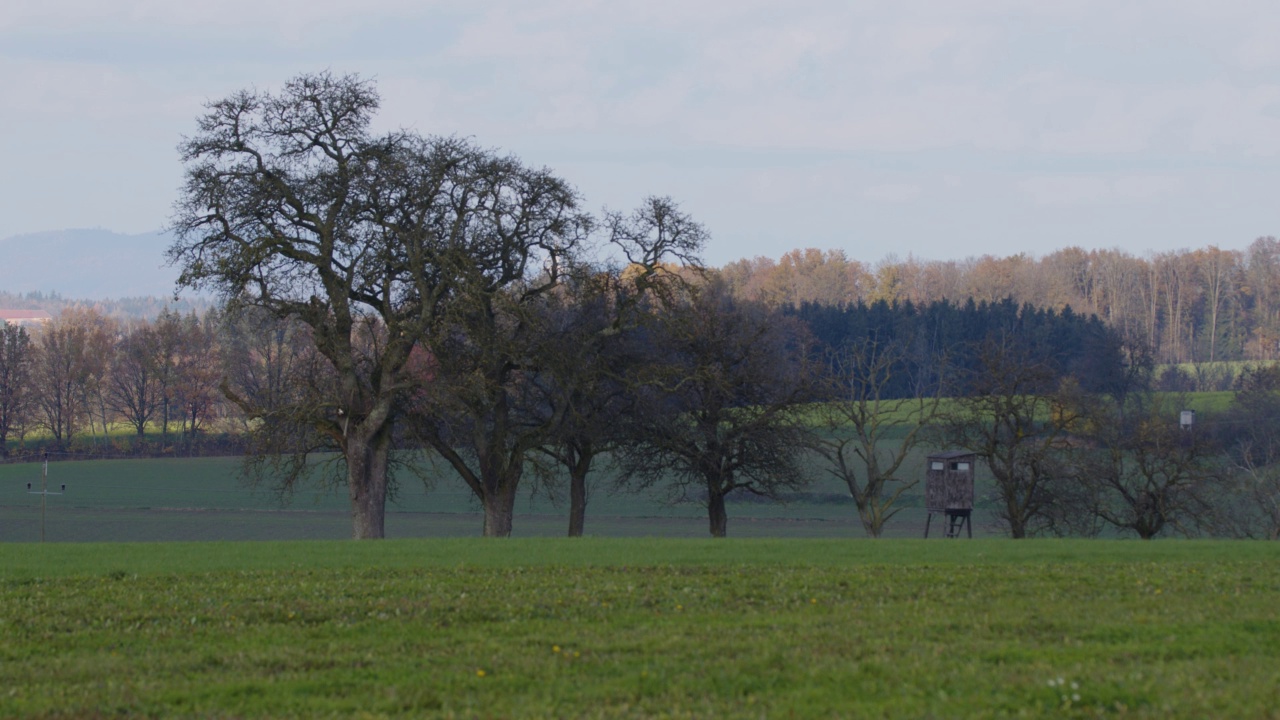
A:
(950, 454)
(21, 315)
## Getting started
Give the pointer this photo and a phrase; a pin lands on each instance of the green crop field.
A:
(192, 499)
(196, 499)
(635, 628)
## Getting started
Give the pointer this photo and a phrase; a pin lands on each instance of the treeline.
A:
(1187, 306)
(947, 337)
(122, 310)
(685, 388)
(72, 382)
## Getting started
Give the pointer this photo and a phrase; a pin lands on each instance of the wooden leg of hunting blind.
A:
(928, 519)
(958, 520)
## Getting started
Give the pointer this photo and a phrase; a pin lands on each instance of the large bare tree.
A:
(516, 368)
(293, 205)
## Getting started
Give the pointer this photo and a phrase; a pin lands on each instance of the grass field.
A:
(193, 499)
(641, 628)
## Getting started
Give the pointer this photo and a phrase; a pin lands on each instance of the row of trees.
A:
(83, 373)
(1062, 460)
(712, 398)
(123, 310)
(424, 278)
(387, 295)
(1198, 305)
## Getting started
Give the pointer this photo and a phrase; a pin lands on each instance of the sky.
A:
(941, 129)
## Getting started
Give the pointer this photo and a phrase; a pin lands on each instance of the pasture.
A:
(598, 627)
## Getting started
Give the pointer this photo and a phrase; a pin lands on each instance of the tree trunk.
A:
(872, 521)
(577, 504)
(499, 508)
(578, 493)
(717, 515)
(367, 453)
(1016, 516)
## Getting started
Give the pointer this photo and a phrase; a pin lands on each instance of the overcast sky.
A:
(939, 128)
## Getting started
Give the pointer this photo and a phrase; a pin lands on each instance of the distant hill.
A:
(90, 264)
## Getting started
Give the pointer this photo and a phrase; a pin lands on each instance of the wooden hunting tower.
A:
(948, 490)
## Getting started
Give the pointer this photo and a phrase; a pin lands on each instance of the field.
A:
(199, 499)
(641, 628)
(194, 499)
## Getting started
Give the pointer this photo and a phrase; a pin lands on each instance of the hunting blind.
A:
(948, 490)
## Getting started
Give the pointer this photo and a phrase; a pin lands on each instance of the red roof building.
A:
(24, 317)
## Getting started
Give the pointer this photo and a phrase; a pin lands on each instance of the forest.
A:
(1186, 306)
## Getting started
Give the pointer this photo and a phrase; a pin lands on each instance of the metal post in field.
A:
(43, 492)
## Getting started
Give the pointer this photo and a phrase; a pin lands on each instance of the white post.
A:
(44, 492)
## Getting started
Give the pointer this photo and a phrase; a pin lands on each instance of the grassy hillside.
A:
(641, 628)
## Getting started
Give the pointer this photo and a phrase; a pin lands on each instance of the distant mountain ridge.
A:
(87, 264)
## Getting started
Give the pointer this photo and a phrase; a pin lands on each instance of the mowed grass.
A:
(641, 628)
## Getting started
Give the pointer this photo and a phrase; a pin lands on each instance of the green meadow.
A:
(789, 617)
(636, 628)
(195, 499)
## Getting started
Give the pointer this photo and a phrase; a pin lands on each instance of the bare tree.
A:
(600, 323)
(485, 409)
(60, 373)
(168, 348)
(197, 373)
(514, 363)
(134, 388)
(1015, 417)
(1149, 473)
(871, 432)
(1255, 509)
(95, 365)
(586, 381)
(1251, 431)
(265, 359)
(15, 381)
(720, 410)
(292, 205)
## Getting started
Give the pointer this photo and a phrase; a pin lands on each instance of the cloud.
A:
(1086, 103)
(889, 193)
(1093, 190)
(90, 91)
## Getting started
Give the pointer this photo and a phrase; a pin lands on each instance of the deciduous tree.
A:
(292, 204)
(1015, 416)
(870, 431)
(721, 408)
(15, 381)
(1147, 472)
(134, 388)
